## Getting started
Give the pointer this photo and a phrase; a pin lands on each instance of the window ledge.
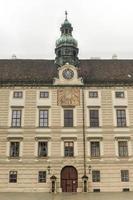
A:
(14, 158)
(70, 157)
(42, 158)
(95, 158)
(15, 127)
(43, 127)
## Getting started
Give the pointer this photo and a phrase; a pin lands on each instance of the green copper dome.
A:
(66, 35)
(66, 40)
(66, 46)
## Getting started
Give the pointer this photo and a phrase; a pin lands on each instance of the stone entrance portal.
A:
(69, 179)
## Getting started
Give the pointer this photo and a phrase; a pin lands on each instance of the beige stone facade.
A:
(108, 134)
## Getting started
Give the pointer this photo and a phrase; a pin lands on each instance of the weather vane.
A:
(66, 14)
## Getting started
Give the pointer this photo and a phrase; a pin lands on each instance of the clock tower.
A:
(66, 46)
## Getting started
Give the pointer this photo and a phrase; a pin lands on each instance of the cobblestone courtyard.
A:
(67, 196)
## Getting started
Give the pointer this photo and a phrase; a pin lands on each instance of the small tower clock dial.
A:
(68, 74)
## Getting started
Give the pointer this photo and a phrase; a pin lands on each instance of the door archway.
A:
(69, 179)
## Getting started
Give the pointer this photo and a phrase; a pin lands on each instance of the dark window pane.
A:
(42, 149)
(16, 118)
(93, 94)
(95, 149)
(18, 94)
(96, 176)
(44, 94)
(124, 175)
(119, 94)
(123, 148)
(68, 149)
(94, 118)
(68, 118)
(42, 177)
(43, 118)
(14, 149)
(13, 176)
(121, 118)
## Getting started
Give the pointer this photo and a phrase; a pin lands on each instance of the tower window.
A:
(74, 53)
(66, 31)
(59, 53)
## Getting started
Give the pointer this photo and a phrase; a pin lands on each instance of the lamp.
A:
(89, 169)
(49, 169)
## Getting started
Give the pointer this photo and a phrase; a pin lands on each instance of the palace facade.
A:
(66, 125)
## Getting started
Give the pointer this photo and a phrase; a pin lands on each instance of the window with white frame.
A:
(93, 94)
(94, 117)
(13, 177)
(123, 148)
(18, 94)
(119, 94)
(44, 94)
(16, 118)
(43, 118)
(14, 149)
(42, 149)
(95, 149)
(68, 148)
(95, 176)
(121, 117)
(124, 175)
(42, 176)
(68, 117)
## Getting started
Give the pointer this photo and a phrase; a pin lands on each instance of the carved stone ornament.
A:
(68, 97)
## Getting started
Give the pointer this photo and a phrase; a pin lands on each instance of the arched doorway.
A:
(69, 179)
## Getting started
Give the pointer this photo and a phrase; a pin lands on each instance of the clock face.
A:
(68, 74)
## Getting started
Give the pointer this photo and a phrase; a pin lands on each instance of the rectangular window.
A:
(94, 118)
(95, 149)
(121, 118)
(68, 149)
(96, 176)
(42, 176)
(68, 118)
(124, 175)
(44, 94)
(13, 177)
(16, 118)
(119, 94)
(123, 148)
(43, 118)
(42, 149)
(18, 94)
(14, 149)
(93, 94)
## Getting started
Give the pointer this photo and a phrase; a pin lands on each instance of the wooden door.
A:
(69, 179)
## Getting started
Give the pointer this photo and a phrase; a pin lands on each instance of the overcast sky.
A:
(29, 28)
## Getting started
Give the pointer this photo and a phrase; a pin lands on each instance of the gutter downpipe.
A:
(85, 177)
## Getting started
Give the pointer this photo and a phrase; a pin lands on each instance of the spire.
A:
(66, 13)
(66, 46)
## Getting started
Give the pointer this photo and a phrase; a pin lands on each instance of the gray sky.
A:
(29, 28)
